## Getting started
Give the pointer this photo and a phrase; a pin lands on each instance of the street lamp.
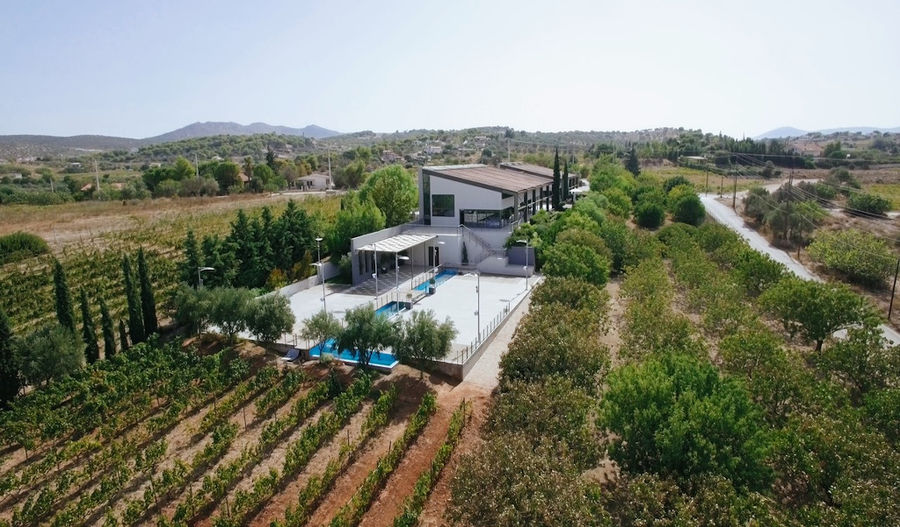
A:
(375, 274)
(321, 270)
(478, 305)
(200, 277)
(526, 261)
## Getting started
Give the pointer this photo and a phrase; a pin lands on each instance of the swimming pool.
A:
(391, 308)
(385, 360)
(442, 277)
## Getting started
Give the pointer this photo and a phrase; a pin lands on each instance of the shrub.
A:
(870, 203)
(649, 214)
(552, 340)
(689, 210)
(576, 261)
(862, 257)
(619, 202)
(676, 416)
(19, 246)
(507, 483)
(676, 181)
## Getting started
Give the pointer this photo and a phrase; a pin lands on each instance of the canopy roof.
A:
(398, 243)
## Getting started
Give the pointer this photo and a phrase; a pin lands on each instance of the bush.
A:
(19, 246)
(551, 340)
(689, 210)
(576, 261)
(507, 483)
(676, 416)
(619, 202)
(861, 257)
(649, 214)
(870, 203)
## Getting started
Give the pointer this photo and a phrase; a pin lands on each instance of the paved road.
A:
(727, 216)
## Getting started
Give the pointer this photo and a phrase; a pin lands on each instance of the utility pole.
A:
(734, 194)
(507, 150)
(97, 178)
(196, 165)
(707, 176)
(893, 289)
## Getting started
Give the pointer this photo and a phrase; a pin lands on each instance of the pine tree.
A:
(270, 159)
(10, 381)
(632, 164)
(565, 182)
(241, 238)
(148, 303)
(554, 197)
(88, 332)
(191, 260)
(109, 331)
(135, 320)
(65, 313)
(123, 335)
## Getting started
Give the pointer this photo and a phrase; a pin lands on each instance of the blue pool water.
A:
(391, 308)
(442, 277)
(386, 360)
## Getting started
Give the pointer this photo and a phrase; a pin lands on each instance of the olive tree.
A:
(366, 332)
(423, 338)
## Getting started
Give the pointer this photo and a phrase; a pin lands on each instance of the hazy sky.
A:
(140, 68)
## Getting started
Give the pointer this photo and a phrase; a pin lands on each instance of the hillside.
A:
(212, 128)
(790, 131)
(18, 146)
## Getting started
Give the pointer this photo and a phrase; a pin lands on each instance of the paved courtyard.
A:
(456, 299)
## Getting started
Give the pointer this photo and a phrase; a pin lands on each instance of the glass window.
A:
(442, 205)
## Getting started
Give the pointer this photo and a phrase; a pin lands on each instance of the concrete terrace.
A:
(456, 299)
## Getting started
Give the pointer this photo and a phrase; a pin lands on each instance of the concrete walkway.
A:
(486, 372)
(728, 217)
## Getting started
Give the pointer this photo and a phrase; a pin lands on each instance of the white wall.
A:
(467, 197)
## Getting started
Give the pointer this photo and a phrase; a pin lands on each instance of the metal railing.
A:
(486, 332)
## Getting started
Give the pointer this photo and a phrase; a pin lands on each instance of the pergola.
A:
(395, 245)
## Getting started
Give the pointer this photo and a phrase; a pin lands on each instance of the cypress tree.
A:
(123, 335)
(148, 303)
(64, 310)
(88, 333)
(554, 197)
(565, 182)
(135, 320)
(109, 332)
(9, 373)
(191, 260)
(632, 164)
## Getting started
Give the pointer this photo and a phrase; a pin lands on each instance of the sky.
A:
(141, 68)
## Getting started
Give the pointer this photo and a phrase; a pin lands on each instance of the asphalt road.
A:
(727, 216)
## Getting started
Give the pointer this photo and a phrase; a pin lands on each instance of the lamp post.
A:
(200, 276)
(321, 270)
(526, 262)
(478, 305)
(375, 274)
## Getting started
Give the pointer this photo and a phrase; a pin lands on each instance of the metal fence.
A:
(483, 335)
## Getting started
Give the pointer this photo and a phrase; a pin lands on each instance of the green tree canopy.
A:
(270, 317)
(393, 190)
(675, 416)
(423, 338)
(321, 327)
(50, 352)
(132, 296)
(576, 261)
(860, 256)
(88, 331)
(812, 309)
(356, 217)
(148, 302)
(366, 333)
(507, 482)
(9, 370)
(108, 329)
(65, 312)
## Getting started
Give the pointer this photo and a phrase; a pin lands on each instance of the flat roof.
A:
(489, 177)
(398, 243)
(528, 168)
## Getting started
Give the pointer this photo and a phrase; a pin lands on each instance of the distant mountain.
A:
(208, 129)
(788, 131)
(784, 131)
(15, 146)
